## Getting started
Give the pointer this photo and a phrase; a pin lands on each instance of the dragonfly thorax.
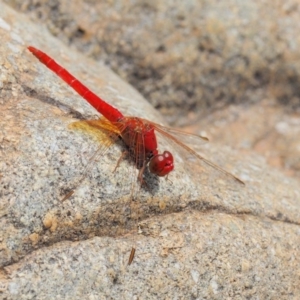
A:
(139, 136)
(140, 139)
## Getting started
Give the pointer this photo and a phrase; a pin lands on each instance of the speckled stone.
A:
(186, 56)
(200, 235)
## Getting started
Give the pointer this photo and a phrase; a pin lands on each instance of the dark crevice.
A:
(104, 231)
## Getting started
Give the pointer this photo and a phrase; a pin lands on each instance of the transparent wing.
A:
(184, 137)
(183, 149)
(105, 133)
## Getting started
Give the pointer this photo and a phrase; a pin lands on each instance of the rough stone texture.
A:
(265, 127)
(199, 54)
(225, 257)
(201, 236)
(186, 56)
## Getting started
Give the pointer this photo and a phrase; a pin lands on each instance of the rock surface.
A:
(200, 236)
(186, 56)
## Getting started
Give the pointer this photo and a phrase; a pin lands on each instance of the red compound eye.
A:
(161, 164)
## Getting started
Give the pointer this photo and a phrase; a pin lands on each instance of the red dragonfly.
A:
(139, 135)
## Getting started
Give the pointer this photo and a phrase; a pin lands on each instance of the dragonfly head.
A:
(161, 164)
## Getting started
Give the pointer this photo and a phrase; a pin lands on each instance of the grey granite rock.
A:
(186, 56)
(200, 235)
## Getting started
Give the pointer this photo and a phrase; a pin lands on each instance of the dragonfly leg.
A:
(124, 153)
(141, 179)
